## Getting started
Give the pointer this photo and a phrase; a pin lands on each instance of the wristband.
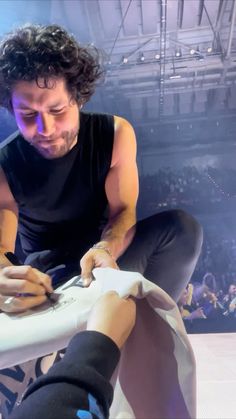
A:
(100, 246)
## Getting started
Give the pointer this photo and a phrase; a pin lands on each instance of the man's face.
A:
(47, 117)
(232, 290)
(184, 297)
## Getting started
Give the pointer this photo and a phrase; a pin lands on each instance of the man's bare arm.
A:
(16, 281)
(122, 192)
(8, 219)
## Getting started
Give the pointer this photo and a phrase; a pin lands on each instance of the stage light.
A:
(157, 56)
(209, 49)
(192, 51)
(175, 76)
(178, 53)
(142, 58)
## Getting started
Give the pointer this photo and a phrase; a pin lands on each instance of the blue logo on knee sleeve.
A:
(84, 414)
(94, 410)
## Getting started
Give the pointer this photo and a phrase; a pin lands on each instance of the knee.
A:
(189, 232)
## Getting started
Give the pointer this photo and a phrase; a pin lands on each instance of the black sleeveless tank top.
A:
(62, 202)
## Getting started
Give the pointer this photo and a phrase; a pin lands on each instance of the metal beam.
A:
(200, 12)
(180, 14)
(228, 50)
(163, 15)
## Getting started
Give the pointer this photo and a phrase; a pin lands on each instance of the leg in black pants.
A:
(165, 249)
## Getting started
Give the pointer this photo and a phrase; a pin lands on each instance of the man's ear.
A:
(81, 103)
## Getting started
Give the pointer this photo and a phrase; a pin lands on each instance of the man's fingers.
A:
(21, 286)
(87, 264)
(20, 304)
(29, 274)
(45, 280)
(92, 259)
(21, 272)
(86, 281)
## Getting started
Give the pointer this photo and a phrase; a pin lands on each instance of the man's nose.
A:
(45, 124)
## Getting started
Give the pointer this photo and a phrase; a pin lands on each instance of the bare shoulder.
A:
(7, 200)
(124, 141)
(124, 128)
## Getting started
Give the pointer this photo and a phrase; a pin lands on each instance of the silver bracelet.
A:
(100, 246)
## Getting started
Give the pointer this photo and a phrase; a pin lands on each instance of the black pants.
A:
(165, 249)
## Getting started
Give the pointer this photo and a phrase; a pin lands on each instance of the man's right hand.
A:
(22, 287)
(197, 314)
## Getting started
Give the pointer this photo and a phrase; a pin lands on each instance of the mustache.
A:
(65, 135)
(39, 138)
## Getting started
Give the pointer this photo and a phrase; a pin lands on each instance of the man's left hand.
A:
(95, 258)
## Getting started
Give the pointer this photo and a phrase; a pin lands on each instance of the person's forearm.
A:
(119, 232)
(80, 381)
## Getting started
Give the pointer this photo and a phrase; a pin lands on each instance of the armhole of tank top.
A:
(111, 132)
(110, 123)
(12, 183)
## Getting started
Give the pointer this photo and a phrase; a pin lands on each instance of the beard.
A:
(55, 146)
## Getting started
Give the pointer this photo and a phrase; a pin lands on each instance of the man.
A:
(229, 300)
(69, 181)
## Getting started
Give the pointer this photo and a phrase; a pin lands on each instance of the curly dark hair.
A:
(34, 52)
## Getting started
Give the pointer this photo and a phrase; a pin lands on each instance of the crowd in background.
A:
(212, 291)
(187, 186)
(205, 299)
(219, 257)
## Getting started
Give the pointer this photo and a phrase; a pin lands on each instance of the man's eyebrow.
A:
(58, 105)
(22, 106)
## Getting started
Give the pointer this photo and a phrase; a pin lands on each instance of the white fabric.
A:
(155, 377)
